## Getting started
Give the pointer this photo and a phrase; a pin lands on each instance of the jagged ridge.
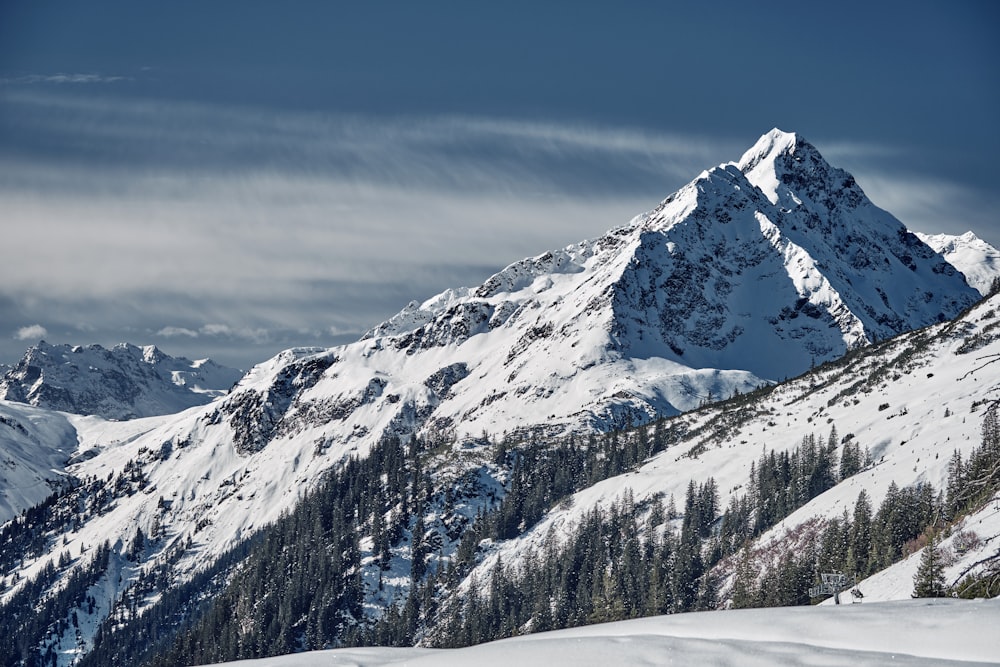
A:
(123, 382)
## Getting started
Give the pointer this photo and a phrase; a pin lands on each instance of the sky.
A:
(228, 179)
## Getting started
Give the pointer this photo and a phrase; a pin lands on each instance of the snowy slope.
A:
(913, 401)
(915, 633)
(975, 258)
(124, 382)
(35, 446)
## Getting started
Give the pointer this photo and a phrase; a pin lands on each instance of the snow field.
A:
(913, 633)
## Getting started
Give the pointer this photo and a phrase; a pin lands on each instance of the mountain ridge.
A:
(123, 382)
(35, 447)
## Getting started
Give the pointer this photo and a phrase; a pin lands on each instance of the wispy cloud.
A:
(250, 211)
(445, 152)
(173, 332)
(32, 332)
(257, 335)
(64, 78)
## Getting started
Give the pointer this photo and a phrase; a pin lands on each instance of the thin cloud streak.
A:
(219, 330)
(450, 152)
(63, 78)
(173, 332)
(258, 230)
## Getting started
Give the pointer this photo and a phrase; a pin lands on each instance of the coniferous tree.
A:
(850, 460)
(418, 550)
(688, 565)
(859, 548)
(744, 582)
(956, 491)
(929, 581)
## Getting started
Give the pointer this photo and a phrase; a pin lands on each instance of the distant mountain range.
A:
(123, 382)
(756, 271)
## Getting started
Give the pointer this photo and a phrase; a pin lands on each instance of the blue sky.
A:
(228, 179)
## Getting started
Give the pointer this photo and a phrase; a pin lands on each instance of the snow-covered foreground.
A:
(909, 632)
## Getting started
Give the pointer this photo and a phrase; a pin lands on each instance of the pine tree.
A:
(929, 582)
(859, 549)
(744, 582)
(956, 485)
(688, 569)
(850, 460)
(418, 551)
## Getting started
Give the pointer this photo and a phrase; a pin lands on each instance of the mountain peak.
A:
(779, 158)
(152, 354)
(773, 143)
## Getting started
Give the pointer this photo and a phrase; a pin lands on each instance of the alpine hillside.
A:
(896, 419)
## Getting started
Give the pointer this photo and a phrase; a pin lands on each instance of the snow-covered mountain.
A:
(123, 382)
(753, 272)
(911, 401)
(974, 257)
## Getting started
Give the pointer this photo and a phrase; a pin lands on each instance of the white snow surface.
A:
(924, 633)
(974, 257)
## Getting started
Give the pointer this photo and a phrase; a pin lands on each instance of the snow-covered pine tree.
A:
(929, 581)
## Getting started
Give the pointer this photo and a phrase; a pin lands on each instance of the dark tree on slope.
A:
(744, 583)
(860, 546)
(929, 582)
(851, 460)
